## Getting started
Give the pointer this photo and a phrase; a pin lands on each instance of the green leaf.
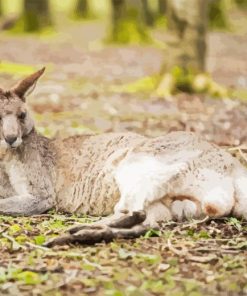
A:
(152, 233)
(14, 228)
(235, 222)
(39, 239)
(29, 277)
(11, 68)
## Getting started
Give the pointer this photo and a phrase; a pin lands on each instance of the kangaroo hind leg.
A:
(142, 182)
(240, 185)
(217, 196)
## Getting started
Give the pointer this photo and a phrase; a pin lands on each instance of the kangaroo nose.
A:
(10, 139)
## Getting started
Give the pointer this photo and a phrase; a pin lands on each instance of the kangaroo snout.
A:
(13, 141)
(11, 131)
(10, 140)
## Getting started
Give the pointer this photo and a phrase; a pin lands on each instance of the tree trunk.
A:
(1, 8)
(148, 15)
(128, 22)
(162, 7)
(81, 9)
(187, 21)
(36, 15)
(186, 52)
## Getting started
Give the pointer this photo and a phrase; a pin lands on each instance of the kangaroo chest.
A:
(16, 173)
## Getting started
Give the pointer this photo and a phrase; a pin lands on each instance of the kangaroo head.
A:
(15, 121)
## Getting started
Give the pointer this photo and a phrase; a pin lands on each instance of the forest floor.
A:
(82, 91)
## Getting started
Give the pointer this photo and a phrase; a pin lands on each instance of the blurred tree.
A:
(241, 3)
(162, 7)
(217, 14)
(186, 49)
(1, 8)
(148, 15)
(187, 21)
(36, 15)
(128, 22)
(81, 9)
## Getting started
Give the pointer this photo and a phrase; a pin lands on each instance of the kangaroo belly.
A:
(85, 176)
(96, 197)
(90, 191)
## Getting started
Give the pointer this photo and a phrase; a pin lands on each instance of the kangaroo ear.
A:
(27, 85)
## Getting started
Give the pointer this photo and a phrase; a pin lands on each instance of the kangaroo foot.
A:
(128, 220)
(96, 233)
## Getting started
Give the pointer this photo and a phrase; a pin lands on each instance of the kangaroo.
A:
(140, 180)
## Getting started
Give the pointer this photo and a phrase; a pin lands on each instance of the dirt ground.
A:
(80, 93)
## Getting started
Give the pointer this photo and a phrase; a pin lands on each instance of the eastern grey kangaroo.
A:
(139, 180)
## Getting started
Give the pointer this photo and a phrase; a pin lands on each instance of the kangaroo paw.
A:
(86, 226)
(95, 233)
(134, 232)
(59, 241)
(126, 221)
(87, 236)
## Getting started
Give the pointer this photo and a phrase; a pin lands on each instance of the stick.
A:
(37, 246)
(14, 242)
(174, 250)
(196, 222)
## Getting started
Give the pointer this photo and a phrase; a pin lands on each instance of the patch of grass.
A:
(239, 94)
(128, 31)
(14, 68)
(218, 15)
(146, 85)
(235, 222)
(171, 83)
(44, 33)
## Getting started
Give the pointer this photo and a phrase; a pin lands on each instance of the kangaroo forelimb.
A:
(24, 205)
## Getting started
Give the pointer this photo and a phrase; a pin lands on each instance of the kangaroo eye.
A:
(22, 115)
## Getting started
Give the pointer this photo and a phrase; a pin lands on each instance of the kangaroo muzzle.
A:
(11, 131)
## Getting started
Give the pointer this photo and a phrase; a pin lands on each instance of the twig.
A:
(16, 245)
(72, 275)
(213, 240)
(43, 216)
(58, 269)
(92, 264)
(242, 155)
(240, 150)
(174, 250)
(3, 230)
(196, 222)
(206, 250)
(242, 147)
(37, 246)
(202, 259)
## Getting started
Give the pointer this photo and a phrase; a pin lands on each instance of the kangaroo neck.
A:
(33, 145)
